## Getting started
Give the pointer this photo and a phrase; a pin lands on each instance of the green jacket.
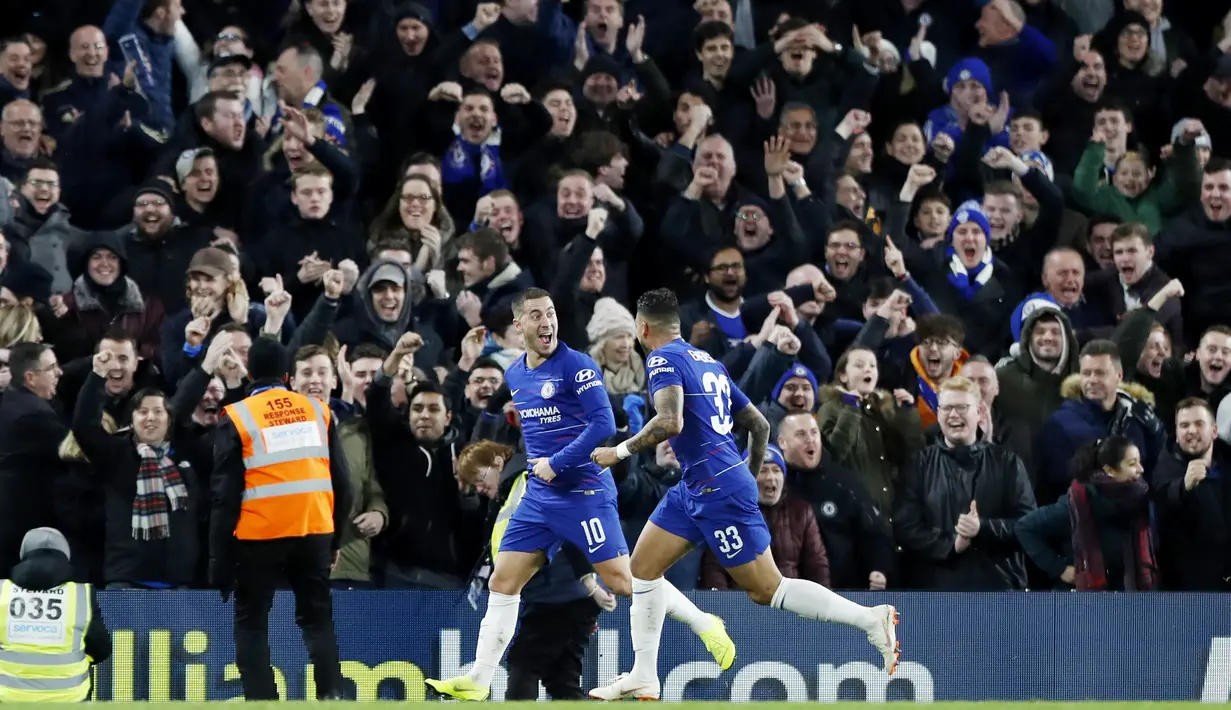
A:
(1179, 187)
(1029, 394)
(874, 439)
(355, 557)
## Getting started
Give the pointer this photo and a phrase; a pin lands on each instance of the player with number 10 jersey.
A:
(716, 501)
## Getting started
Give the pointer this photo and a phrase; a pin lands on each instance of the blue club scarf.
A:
(968, 282)
(460, 160)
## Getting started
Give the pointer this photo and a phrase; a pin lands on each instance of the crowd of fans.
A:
(970, 258)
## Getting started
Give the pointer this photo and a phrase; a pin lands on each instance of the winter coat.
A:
(46, 240)
(1197, 251)
(354, 557)
(30, 434)
(171, 560)
(874, 439)
(858, 538)
(425, 508)
(940, 484)
(1029, 395)
(795, 541)
(1194, 525)
(139, 318)
(1079, 421)
(1176, 381)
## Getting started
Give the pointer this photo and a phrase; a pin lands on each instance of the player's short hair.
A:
(530, 294)
(659, 307)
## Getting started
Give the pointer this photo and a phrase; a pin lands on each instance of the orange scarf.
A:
(929, 391)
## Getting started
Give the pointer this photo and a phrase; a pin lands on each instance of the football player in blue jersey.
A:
(565, 414)
(715, 503)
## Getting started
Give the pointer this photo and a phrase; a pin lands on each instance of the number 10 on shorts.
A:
(729, 541)
(595, 535)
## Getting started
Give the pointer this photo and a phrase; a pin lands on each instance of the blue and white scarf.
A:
(459, 161)
(968, 282)
(335, 126)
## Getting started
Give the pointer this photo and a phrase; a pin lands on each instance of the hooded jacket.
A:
(361, 324)
(95, 310)
(936, 487)
(1030, 394)
(1079, 421)
(1177, 379)
(47, 569)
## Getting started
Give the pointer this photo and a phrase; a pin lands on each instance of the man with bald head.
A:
(66, 103)
(1064, 276)
(702, 217)
(21, 132)
(857, 537)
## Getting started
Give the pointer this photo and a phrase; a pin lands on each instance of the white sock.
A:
(681, 608)
(495, 633)
(812, 601)
(645, 618)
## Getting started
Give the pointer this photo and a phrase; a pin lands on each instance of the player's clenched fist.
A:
(542, 469)
(605, 456)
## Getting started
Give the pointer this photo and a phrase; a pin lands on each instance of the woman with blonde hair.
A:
(612, 333)
(867, 429)
(18, 324)
(417, 213)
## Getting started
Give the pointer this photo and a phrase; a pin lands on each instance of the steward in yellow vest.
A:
(52, 630)
(282, 498)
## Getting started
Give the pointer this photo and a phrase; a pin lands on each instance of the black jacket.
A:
(938, 485)
(859, 540)
(425, 508)
(30, 434)
(114, 460)
(227, 484)
(1195, 526)
(48, 569)
(160, 266)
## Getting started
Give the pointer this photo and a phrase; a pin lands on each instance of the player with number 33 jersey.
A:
(697, 408)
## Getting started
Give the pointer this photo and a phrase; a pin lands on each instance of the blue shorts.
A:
(593, 529)
(732, 525)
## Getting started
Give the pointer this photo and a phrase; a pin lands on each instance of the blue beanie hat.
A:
(969, 211)
(1032, 303)
(796, 370)
(969, 68)
(774, 455)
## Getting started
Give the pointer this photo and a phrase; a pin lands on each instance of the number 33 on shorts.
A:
(729, 541)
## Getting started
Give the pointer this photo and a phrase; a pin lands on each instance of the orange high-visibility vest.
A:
(288, 491)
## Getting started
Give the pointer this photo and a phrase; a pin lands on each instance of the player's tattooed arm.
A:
(757, 426)
(667, 422)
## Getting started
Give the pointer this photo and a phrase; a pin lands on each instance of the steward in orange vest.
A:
(281, 495)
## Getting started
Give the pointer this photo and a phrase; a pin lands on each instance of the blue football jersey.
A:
(705, 447)
(565, 414)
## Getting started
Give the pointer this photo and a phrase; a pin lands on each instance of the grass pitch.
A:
(694, 705)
